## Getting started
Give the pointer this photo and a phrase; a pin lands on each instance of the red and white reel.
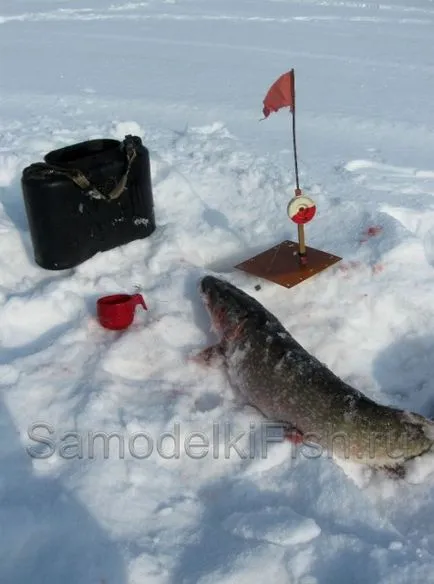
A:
(301, 209)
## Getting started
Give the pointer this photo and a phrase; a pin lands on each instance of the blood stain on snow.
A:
(348, 267)
(377, 268)
(372, 231)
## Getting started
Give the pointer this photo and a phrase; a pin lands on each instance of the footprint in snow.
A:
(208, 402)
(278, 525)
(418, 223)
(9, 166)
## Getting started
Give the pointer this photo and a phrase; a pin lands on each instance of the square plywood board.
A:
(281, 265)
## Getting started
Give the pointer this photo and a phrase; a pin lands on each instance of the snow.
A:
(188, 77)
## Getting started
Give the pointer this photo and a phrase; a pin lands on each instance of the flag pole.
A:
(301, 238)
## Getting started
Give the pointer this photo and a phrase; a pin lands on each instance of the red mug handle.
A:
(138, 299)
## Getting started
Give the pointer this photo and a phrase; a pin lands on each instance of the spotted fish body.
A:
(277, 376)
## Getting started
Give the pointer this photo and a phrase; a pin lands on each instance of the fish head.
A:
(228, 306)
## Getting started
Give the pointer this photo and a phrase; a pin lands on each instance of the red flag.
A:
(281, 94)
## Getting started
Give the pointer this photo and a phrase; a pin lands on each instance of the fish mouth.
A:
(209, 287)
(204, 294)
(209, 283)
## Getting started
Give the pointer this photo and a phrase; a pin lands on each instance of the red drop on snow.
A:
(371, 232)
(351, 265)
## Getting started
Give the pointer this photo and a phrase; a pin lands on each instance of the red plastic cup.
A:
(116, 312)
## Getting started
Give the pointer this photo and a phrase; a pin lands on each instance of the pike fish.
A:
(277, 376)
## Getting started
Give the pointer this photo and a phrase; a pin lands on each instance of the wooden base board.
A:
(281, 265)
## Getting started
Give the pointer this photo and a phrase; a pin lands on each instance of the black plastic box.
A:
(88, 198)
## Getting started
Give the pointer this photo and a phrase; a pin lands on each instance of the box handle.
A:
(83, 183)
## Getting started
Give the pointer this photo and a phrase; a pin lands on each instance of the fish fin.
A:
(209, 356)
(291, 433)
(395, 472)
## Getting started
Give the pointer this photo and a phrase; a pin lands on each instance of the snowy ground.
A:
(189, 77)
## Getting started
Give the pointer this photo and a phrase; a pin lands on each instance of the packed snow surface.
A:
(188, 77)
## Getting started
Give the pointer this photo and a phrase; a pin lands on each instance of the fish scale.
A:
(282, 380)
